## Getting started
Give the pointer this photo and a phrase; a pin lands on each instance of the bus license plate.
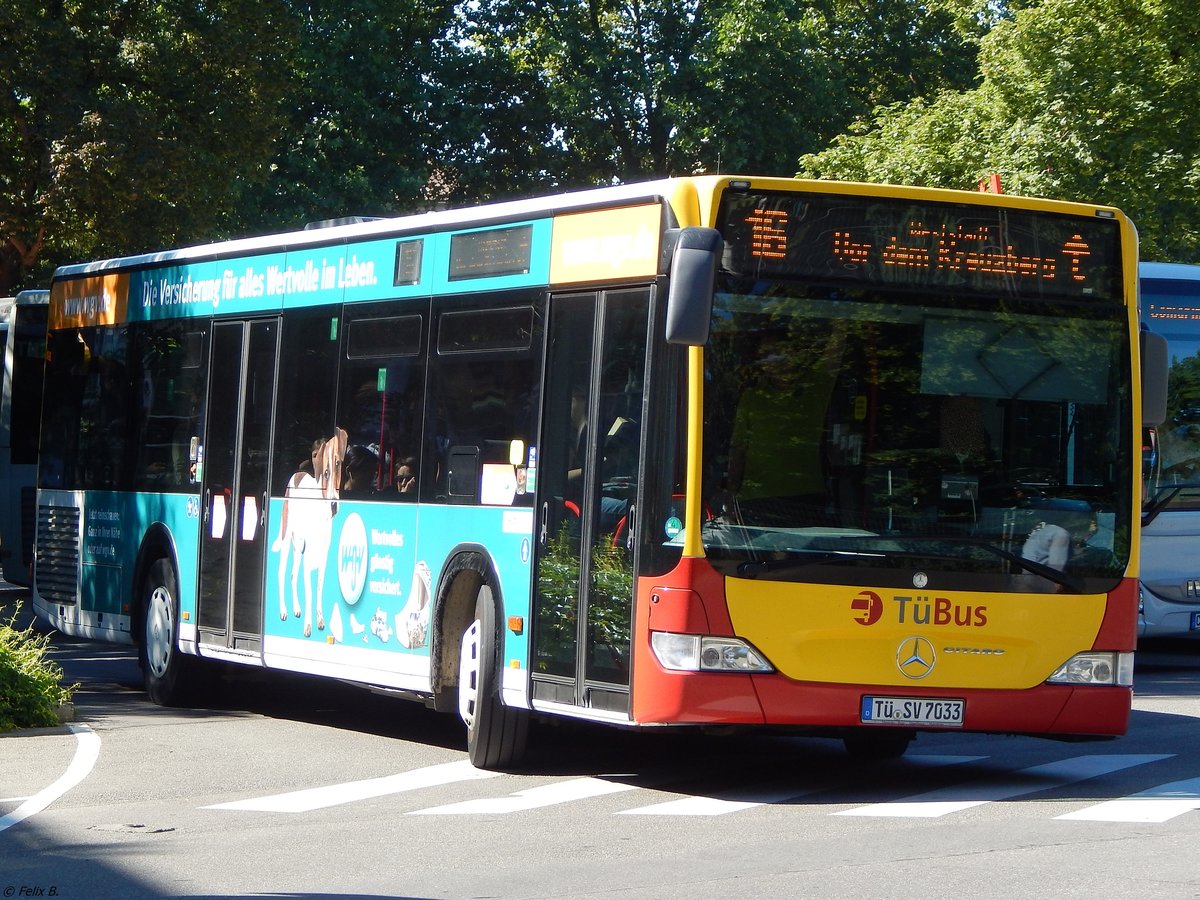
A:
(1196, 621)
(912, 711)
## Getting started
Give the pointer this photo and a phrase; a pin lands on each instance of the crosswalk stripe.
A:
(337, 794)
(1158, 804)
(533, 798)
(760, 795)
(956, 798)
(719, 806)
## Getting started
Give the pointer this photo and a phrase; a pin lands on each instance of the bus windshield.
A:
(919, 434)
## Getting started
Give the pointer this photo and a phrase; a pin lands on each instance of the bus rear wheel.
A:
(163, 665)
(496, 734)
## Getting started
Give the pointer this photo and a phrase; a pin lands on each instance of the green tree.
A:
(362, 118)
(126, 127)
(616, 90)
(1093, 101)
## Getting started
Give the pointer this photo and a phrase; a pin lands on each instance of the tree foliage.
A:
(615, 90)
(358, 122)
(1093, 100)
(137, 125)
(128, 126)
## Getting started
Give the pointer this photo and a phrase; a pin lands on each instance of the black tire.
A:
(876, 745)
(496, 734)
(165, 669)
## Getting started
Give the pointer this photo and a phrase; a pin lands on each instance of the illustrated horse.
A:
(306, 528)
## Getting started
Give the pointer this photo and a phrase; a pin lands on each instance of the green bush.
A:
(31, 689)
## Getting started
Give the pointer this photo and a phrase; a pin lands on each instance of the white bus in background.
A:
(1170, 556)
(24, 345)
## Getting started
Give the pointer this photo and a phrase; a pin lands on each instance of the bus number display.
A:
(899, 243)
(485, 254)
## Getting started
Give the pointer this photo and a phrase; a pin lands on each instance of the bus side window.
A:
(308, 372)
(483, 394)
(172, 356)
(382, 394)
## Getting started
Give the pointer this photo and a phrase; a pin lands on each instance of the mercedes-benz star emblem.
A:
(915, 657)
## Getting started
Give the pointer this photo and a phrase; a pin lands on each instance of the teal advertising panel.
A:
(478, 259)
(362, 576)
(113, 529)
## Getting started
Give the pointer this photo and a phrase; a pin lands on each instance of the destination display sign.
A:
(906, 244)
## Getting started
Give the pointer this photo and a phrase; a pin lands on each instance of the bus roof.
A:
(39, 297)
(681, 190)
(418, 223)
(1177, 271)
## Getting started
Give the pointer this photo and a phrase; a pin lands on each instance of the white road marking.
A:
(760, 795)
(734, 801)
(87, 751)
(1025, 781)
(337, 794)
(1158, 804)
(533, 798)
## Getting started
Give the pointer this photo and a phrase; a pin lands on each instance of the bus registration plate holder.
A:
(913, 711)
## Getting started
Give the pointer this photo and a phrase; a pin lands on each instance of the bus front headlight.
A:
(706, 653)
(1095, 667)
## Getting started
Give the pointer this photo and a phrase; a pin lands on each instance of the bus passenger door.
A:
(235, 471)
(588, 485)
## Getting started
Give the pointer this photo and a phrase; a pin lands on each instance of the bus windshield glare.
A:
(925, 420)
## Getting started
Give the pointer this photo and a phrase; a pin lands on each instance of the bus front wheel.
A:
(496, 734)
(163, 665)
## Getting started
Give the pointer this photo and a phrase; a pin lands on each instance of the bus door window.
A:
(615, 512)
(235, 482)
(589, 482)
(561, 467)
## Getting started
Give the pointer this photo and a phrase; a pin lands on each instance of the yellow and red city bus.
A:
(852, 459)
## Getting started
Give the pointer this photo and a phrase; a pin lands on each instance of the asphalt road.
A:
(291, 787)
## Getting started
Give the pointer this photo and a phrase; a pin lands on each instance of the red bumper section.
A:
(661, 696)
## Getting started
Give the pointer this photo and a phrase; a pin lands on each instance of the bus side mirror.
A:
(693, 274)
(1154, 378)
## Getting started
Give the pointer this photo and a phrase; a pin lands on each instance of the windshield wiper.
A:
(1060, 578)
(755, 568)
(1159, 503)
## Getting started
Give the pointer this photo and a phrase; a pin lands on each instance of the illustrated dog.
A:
(412, 622)
(306, 527)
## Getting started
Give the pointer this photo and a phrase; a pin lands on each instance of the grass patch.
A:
(31, 688)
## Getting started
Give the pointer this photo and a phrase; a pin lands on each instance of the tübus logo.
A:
(868, 607)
